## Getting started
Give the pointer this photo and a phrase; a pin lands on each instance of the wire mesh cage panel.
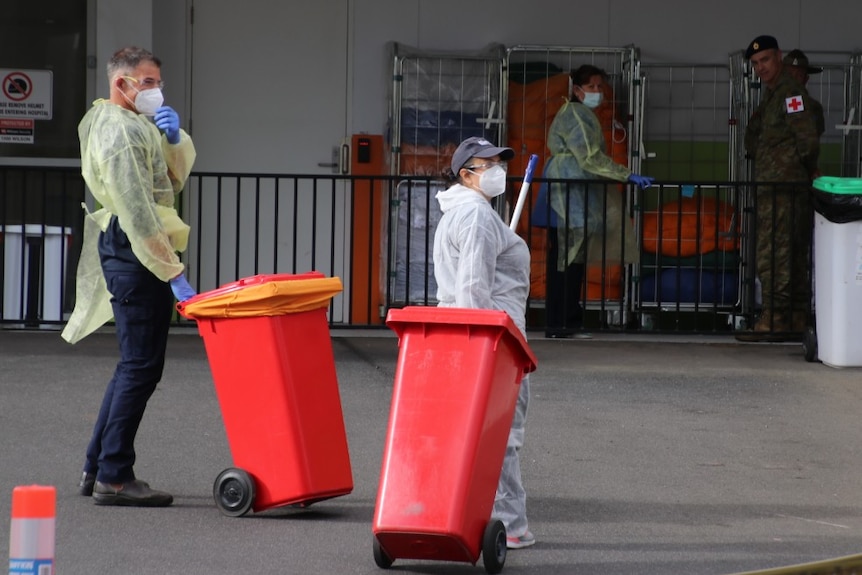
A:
(852, 130)
(538, 85)
(686, 121)
(743, 100)
(439, 99)
(831, 89)
(689, 232)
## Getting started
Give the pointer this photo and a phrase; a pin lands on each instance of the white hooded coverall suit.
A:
(480, 263)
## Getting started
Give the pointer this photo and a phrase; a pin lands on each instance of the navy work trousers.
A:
(142, 306)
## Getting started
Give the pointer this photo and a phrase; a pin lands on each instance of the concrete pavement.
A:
(643, 455)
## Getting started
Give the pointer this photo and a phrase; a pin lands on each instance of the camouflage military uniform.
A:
(783, 140)
(817, 112)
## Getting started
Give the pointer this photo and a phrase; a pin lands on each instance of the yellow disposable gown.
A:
(134, 174)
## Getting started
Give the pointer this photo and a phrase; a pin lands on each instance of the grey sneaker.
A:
(525, 540)
(135, 493)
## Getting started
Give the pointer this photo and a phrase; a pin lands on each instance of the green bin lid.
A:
(835, 185)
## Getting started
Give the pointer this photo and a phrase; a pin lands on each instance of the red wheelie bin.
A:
(456, 385)
(269, 349)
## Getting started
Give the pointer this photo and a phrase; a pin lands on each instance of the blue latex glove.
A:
(641, 181)
(181, 288)
(168, 121)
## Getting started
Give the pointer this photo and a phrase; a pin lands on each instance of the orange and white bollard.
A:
(31, 537)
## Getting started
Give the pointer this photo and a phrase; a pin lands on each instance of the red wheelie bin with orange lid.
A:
(456, 385)
(269, 349)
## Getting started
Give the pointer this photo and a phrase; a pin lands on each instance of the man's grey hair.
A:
(125, 60)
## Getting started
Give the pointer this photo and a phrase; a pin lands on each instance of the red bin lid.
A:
(399, 319)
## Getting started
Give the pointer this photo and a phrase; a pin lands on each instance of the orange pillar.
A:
(366, 159)
(31, 537)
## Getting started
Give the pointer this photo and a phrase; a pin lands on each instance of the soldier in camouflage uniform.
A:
(782, 139)
(797, 64)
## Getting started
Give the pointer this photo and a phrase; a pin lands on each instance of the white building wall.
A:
(350, 38)
(119, 23)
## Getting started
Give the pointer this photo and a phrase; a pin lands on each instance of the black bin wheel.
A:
(233, 492)
(494, 547)
(380, 557)
(809, 344)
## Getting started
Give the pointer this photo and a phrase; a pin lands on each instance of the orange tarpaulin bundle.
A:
(425, 160)
(263, 295)
(531, 109)
(613, 277)
(538, 243)
(689, 227)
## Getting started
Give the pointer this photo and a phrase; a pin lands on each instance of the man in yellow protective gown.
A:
(135, 159)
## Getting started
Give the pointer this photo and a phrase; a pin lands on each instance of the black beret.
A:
(759, 44)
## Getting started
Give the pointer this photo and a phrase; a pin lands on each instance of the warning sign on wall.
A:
(26, 94)
(16, 131)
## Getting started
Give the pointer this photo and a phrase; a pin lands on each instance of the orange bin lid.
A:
(263, 295)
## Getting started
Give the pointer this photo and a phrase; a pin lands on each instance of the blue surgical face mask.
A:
(592, 99)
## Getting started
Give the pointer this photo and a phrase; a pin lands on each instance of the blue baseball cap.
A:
(476, 147)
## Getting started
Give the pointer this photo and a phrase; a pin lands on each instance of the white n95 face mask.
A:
(492, 182)
(148, 101)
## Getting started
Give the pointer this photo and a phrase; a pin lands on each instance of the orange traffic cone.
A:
(31, 537)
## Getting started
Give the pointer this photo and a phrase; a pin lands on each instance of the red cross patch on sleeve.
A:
(794, 104)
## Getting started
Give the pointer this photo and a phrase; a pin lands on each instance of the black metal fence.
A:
(40, 234)
(677, 257)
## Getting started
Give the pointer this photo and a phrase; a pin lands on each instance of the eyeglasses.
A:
(147, 83)
(488, 164)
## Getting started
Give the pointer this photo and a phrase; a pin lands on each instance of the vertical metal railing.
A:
(40, 228)
(248, 224)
